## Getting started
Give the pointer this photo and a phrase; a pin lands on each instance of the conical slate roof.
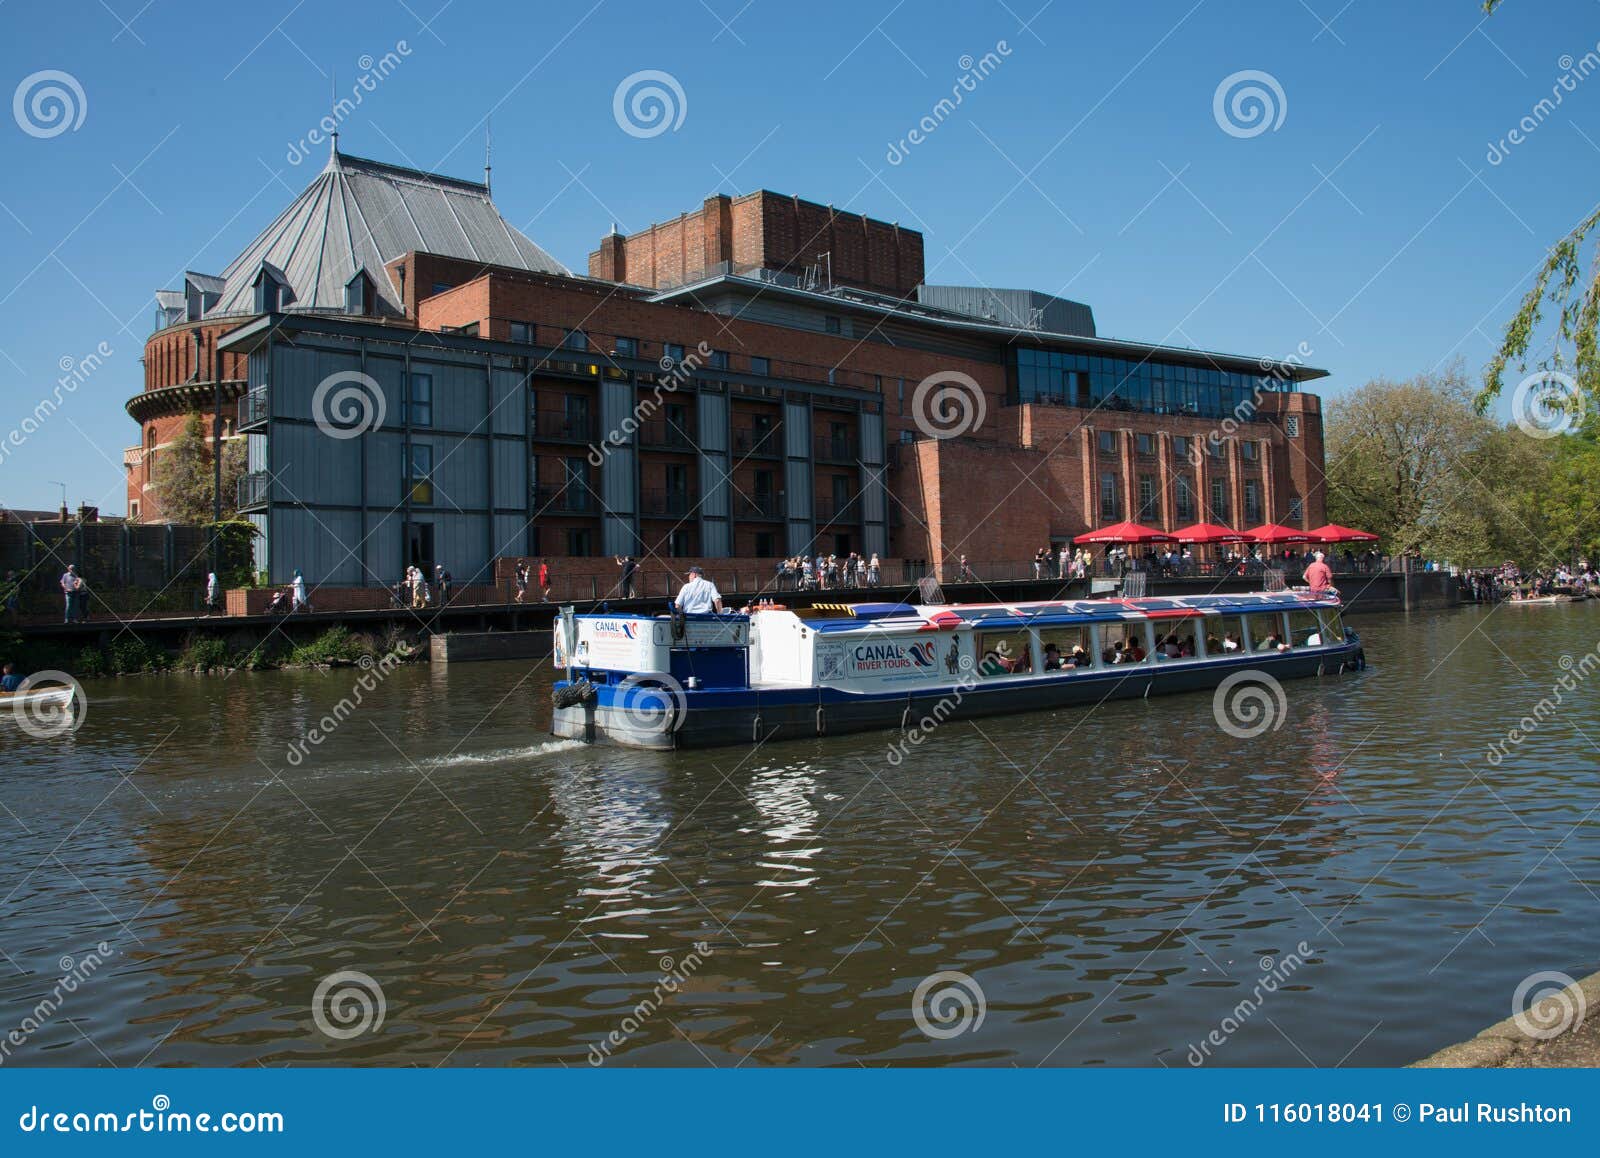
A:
(361, 214)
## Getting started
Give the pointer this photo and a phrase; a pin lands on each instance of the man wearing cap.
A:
(1319, 576)
(699, 595)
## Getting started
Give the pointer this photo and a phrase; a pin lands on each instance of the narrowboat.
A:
(772, 673)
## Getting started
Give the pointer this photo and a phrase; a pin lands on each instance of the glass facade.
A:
(1125, 384)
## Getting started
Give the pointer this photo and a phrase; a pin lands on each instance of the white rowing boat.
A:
(36, 698)
(1540, 600)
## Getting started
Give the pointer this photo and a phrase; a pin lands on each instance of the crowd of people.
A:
(828, 572)
(1509, 581)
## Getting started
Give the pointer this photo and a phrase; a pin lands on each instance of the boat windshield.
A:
(1176, 639)
(1305, 629)
(1066, 649)
(1122, 642)
(1266, 631)
(1003, 653)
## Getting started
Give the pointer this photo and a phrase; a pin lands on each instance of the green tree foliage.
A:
(1415, 462)
(185, 474)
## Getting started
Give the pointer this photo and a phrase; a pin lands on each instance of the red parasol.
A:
(1208, 533)
(1334, 533)
(1126, 532)
(1277, 533)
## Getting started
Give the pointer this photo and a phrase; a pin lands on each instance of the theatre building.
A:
(418, 382)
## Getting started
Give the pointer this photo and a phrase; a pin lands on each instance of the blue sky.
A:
(1366, 224)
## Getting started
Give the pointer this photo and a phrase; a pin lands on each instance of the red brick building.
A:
(759, 377)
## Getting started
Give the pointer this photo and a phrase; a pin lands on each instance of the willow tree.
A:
(1569, 287)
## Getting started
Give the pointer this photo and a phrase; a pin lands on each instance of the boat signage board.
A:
(885, 661)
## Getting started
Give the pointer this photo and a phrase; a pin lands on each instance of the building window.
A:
(831, 323)
(522, 332)
(1184, 494)
(575, 340)
(1108, 497)
(1219, 502)
(580, 543)
(900, 394)
(627, 347)
(470, 330)
(760, 366)
(1217, 449)
(674, 353)
(440, 286)
(1296, 507)
(1144, 443)
(420, 410)
(1248, 450)
(1108, 442)
(766, 544)
(1291, 425)
(1147, 498)
(719, 359)
(679, 542)
(419, 475)
(1180, 446)
(1252, 500)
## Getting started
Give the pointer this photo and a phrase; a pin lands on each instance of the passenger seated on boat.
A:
(1168, 648)
(1273, 643)
(1135, 652)
(1052, 658)
(1231, 643)
(1186, 648)
(1080, 658)
(1112, 654)
(1213, 645)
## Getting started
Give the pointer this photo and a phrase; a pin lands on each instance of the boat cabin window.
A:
(1266, 631)
(1003, 653)
(1224, 635)
(1175, 639)
(1305, 629)
(1066, 649)
(1123, 642)
(1332, 626)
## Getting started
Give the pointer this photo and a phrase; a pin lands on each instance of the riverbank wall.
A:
(1555, 1032)
(160, 642)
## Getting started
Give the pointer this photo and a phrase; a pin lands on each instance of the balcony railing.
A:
(668, 504)
(665, 436)
(761, 505)
(835, 510)
(133, 457)
(573, 499)
(255, 489)
(253, 407)
(558, 426)
(829, 449)
(762, 441)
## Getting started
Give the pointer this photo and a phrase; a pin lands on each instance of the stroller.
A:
(280, 602)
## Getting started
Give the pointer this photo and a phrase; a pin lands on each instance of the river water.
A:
(1123, 886)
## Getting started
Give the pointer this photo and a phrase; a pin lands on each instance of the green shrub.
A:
(205, 652)
(334, 645)
(89, 662)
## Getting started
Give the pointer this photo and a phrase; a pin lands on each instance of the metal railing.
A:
(664, 435)
(832, 510)
(761, 505)
(758, 440)
(253, 407)
(572, 499)
(255, 489)
(670, 504)
(828, 449)
(558, 426)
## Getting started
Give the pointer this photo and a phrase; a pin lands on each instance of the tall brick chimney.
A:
(611, 260)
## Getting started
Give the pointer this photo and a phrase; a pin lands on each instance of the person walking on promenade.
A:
(300, 601)
(441, 583)
(874, 571)
(520, 579)
(72, 589)
(544, 578)
(964, 573)
(630, 571)
(211, 592)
